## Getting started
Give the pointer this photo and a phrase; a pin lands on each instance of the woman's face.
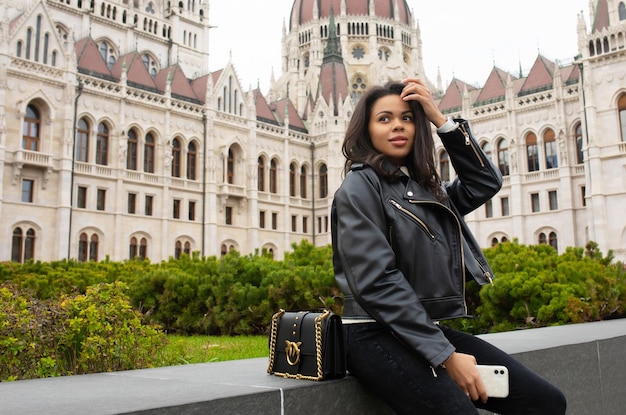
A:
(392, 128)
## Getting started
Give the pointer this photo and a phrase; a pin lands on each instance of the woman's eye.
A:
(383, 118)
(407, 118)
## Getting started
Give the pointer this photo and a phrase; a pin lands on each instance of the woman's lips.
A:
(398, 140)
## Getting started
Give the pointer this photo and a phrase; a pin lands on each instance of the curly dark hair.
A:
(358, 148)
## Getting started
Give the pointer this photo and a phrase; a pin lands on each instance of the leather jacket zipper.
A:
(430, 233)
(486, 273)
(414, 217)
(469, 143)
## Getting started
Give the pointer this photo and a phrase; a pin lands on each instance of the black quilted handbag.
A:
(307, 345)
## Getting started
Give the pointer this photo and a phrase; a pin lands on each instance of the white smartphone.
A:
(496, 380)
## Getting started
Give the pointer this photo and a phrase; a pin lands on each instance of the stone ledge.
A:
(587, 361)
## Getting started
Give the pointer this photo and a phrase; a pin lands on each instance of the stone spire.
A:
(333, 81)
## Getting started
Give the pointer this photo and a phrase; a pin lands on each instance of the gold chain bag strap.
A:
(307, 345)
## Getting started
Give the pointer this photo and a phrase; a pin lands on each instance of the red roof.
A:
(303, 10)
(180, 84)
(453, 97)
(88, 57)
(540, 76)
(333, 83)
(136, 71)
(263, 109)
(286, 107)
(601, 20)
(495, 86)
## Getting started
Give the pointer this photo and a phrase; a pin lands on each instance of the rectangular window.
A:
(305, 224)
(294, 223)
(261, 219)
(534, 202)
(132, 202)
(229, 215)
(622, 121)
(101, 202)
(192, 210)
(149, 203)
(274, 220)
(553, 200)
(176, 209)
(81, 197)
(27, 190)
(489, 209)
(583, 194)
(504, 204)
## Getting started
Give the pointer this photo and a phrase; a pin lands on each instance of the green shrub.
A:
(29, 329)
(98, 331)
(537, 287)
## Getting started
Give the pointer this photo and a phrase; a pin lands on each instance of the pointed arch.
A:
(532, 152)
(81, 141)
(176, 156)
(503, 156)
(273, 175)
(550, 148)
(621, 108)
(323, 180)
(444, 166)
(192, 156)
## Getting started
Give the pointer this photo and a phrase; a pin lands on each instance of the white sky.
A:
(463, 38)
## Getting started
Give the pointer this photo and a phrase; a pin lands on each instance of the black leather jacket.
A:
(401, 257)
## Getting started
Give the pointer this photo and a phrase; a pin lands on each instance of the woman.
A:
(402, 253)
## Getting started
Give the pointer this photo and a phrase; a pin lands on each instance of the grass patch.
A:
(182, 350)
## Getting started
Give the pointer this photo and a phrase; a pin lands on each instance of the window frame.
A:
(31, 129)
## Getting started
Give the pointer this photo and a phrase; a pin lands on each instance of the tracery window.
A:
(102, 145)
(107, 52)
(621, 107)
(550, 145)
(176, 158)
(292, 179)
(261, 175)
(31, 129)
(148, 154)
(303, 174)
(553, 240)
(273, 176)
(131, 150)
(444, 166)
(532, 152)
(230, 167)
(88, 247)
(138, 248)
(191, 161)
(503, 157)
(82, 140)
(578, 131)
(22, 245)
(323, 181)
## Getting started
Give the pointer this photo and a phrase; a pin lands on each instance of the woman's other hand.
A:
(462, 369)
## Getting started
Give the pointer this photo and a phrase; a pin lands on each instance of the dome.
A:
(304, 11)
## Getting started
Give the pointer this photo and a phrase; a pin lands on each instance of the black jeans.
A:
(405, 381)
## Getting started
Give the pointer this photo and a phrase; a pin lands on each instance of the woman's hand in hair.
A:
(415, 90)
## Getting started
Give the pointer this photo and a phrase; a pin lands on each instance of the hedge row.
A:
(63, 302)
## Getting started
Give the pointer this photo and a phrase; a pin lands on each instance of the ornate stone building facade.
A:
(116, 141)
